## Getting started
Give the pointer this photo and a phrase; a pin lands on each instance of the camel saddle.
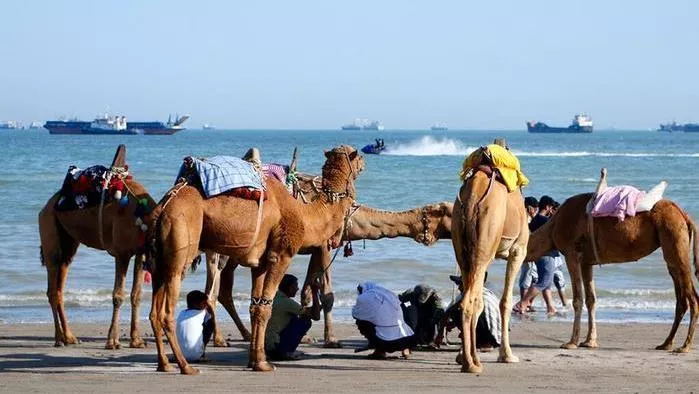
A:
(498, 160)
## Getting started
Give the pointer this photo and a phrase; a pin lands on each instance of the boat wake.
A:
(602, 154)
(429, 146)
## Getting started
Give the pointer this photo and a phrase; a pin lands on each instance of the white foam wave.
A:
(430, 146)
(602, 154)
(640, 292)
(586, 180)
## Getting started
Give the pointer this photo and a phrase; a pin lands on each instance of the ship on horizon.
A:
(581, 124)
(439, 126)
(364, 124)
(106, 124)
(674, 126)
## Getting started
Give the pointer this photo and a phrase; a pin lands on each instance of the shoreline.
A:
(625, 362)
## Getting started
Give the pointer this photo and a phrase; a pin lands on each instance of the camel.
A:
(665, 226)
(61, 232)
(489, 221)
(185, 223)
(425, 225)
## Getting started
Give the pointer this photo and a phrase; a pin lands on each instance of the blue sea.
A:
(419, 167)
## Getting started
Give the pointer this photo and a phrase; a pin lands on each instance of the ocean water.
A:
(419, 167)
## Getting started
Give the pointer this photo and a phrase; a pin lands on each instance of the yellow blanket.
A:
(503, 160)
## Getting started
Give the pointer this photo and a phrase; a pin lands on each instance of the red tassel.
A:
(147, 277)
(348, 250)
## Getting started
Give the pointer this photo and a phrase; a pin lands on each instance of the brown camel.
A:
(666, 226)
(61, 232)
(488, 222)
(185, 223)
(425, 225)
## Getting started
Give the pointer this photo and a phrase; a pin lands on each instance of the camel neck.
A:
(321, 219)
(368, 223)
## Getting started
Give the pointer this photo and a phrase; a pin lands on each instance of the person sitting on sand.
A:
(488, 327)
(289, 321)
(195, 326)
(379, 318)
(422, 311)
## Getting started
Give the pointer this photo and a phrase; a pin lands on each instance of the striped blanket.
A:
(220, 174)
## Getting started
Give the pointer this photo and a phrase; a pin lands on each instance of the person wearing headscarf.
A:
(422, 311)
(379, 317)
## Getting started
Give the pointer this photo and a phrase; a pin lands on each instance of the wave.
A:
(430, 146)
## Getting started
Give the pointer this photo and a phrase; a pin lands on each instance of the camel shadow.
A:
(53, 364)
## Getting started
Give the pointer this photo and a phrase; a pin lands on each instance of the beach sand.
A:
(626, 362)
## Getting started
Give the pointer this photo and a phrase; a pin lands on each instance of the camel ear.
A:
(327, 154)
(353, 155)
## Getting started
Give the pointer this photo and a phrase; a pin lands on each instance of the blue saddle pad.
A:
(220, 174)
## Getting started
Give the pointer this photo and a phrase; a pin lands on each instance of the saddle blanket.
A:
(625, 200)
(504, 160)
(275, 170)
(82, 188)
(219, 174)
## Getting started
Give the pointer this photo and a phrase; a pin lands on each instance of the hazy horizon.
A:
(317, 65)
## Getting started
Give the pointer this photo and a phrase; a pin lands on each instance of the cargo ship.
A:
(106, 124)
(364, 124)
(581, 124)
(674, 126)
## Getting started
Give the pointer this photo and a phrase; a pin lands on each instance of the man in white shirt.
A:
(379, 318)
(195, 326)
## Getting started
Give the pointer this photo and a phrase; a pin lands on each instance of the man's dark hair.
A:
(195, 298)
(545, 201)
(287, 281)
(530, 202)
(556, 204)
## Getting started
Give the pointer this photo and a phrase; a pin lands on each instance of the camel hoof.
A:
(112, 344)
(569, 345)
(508, 359)
(220, 342)
(165, 368)
(472, 369)
(247, 337)
(683, 349)
(137, 343)
(664, 346)
(58, 343)
(592, 344)
(71, 340)
(189, 370)
(332, 344)
(263, 366)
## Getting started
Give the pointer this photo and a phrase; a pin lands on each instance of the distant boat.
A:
(375, 148)
(9, 125)
(439, 126)
(581, 124)
(364, 124)
(35, 125)
(106, 124)
(207, 126)
(674, 126)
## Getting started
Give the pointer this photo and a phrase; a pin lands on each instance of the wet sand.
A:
(625, 362)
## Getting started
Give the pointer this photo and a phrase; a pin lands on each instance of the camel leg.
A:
(680, 310)
(51, 294)
(320, 265)
(122, 266)
(573, 264)
(172, 292)
(469, 319)
(214, 263)
(590, 300)
(258, 280)
(225, 297)
(277, 266)
(62, 275)
(690, 295)
(136, 288)
(156, 321)
(514, 264)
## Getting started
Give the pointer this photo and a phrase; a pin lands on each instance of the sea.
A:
(419, 167)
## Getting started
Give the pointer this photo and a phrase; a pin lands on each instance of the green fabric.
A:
(283, 308)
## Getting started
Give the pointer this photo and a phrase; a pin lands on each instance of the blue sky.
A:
(319, 64)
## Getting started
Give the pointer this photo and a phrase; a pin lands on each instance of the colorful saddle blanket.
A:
(502, 159)
(625, 200)
(220, 174)
(83, 188)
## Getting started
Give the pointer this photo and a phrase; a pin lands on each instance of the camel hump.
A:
(120, 156)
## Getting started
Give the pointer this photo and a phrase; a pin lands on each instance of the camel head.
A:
(435, 223)
(342, 167)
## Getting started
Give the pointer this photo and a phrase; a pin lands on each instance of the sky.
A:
(319, 64)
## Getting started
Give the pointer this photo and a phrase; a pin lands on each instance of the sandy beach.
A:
(626, 362)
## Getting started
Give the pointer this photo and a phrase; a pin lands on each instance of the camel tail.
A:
(154, 247)
(57, 246)
(693, 240)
